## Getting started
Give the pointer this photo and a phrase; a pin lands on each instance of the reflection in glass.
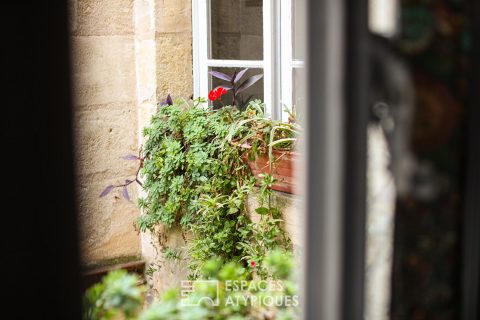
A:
(298, 32)
(299, 88)
(236, 29)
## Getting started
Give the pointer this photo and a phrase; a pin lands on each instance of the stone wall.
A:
(105, 119)
(173, 37)
(125, 55)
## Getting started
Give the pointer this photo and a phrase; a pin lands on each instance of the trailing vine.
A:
(195, 175)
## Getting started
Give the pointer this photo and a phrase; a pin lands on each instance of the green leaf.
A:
(262, 210)
(232, 210)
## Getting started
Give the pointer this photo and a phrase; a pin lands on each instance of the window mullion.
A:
(235, 63)
(298, 64)
(200, 20)
(286, 57)
(269, 57)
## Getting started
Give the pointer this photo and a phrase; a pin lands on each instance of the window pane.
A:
(236, 29)
(253, 92)
(298, 32)
(299, 88)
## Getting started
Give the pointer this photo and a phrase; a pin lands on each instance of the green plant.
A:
(238, 297)
(119, 293)
(150, 271)
(172, 254)
(262, 135)
(185, 156)
(235, 295)
(195, 176)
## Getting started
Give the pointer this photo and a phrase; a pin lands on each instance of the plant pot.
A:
(282, 169)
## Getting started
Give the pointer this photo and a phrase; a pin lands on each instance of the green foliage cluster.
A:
(262, 134)
(233, 285)
(195, 175)
(185, 156)
(236, 296)
(119, 293)
(172, 254)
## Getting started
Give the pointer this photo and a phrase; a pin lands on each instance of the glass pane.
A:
(236, 29)
(298, 32)
(299, 88)
(253, 92)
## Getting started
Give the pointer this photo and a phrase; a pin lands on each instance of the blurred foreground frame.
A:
(436, 258)
(39, 239)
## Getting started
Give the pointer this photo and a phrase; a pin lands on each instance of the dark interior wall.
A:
(39, 247)
(436, 41)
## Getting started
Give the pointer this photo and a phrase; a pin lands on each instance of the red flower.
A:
(253, 264)
(212, 95)
(221, 91)
(217, 93)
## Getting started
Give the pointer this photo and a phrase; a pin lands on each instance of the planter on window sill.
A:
(282, 169)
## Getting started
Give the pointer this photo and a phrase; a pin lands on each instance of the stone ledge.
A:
(95, 275)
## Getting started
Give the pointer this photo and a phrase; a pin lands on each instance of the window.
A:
(262, 35)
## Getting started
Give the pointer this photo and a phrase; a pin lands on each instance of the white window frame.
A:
(288, 63)
(277, 63)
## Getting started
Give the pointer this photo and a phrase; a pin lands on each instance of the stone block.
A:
(144, 19)
(103, 69)
(106, 224)
(174, 65)
(145, 112)
(145, 70)
(103, 134)
(100, 18)
(169, 272)
(173, 16)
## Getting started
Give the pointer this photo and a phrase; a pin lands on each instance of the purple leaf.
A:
(227, 86)
(167, 102)
(239, 75)
(130, 157)
(125, 193)
(220, 75)
(249, 82)
(106, 191)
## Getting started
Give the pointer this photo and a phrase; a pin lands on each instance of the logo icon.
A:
(195, 289)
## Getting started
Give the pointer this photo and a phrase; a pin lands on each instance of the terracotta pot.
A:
(282, 169)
